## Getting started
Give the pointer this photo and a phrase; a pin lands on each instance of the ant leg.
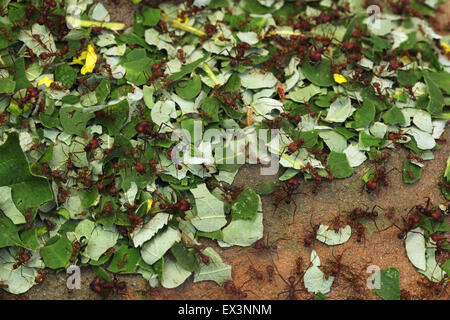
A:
(276, 268)
(282, 292)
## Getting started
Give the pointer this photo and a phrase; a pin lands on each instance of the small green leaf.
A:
(410, 172)
(57, 254)
(319, 74)
(393, 116)
(389, 284)
(339, 166)
(151, 16)
(246, 205)
(189, 89)
(266, 188)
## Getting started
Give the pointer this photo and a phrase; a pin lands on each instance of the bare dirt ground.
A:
(341, 196)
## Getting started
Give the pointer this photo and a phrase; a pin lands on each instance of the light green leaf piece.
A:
(256, 80)
(339, 165)
(154, 249)
(8, 207)
(264, 106)
(331, 237)
(148, 96)
(244, 232)
(246, 205)
(21, 279)
(148, 230)
(162, 111)
(304, 94)
(100, 241)
(84, 229)
(210, 210)
(216, 270)
(340, 110)
(333, 140)
(422, 120)
(315, 281)
(415, 248)
(355, 157)
(388, 287)
(173, 274)
(79, 201)
(432, 271)
(425, 141)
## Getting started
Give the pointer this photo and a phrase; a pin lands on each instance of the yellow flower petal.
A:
(91, 59)
(339, 78)
(149, 205)
(45, 80)
(249, 116)
(80, 59)
(446, 47)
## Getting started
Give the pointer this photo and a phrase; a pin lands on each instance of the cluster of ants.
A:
(105, 288)
(335, 267)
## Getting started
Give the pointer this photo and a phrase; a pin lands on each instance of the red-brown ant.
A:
(255, 273)
(231, 288)
(379, 176)
(21, 258)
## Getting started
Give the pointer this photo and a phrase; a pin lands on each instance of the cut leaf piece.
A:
(415, 248)
(331, 237)
(339, 166)
(246, 205)
(154, 249)
(389, 284)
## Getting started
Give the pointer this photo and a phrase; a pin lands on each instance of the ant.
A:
(41, 277)
(360, 232)
(231, 288)
(38, 39)
(410, 91)
(270, 272)
(414, 157)
(359, 213)
(3, 116)
(409, 223)
(21, 258)
(291, 284)
(309, 239)
(379, 176)
(261, 246)
(106, 287)
(92, 145)
(181, 56)
(393, 136)
(28, 219)
(435, 214)
(256, 273)
(334, 267)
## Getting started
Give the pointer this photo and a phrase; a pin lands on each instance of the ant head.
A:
(291, 279)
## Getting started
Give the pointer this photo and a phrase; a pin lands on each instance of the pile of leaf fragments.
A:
(87, 109)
